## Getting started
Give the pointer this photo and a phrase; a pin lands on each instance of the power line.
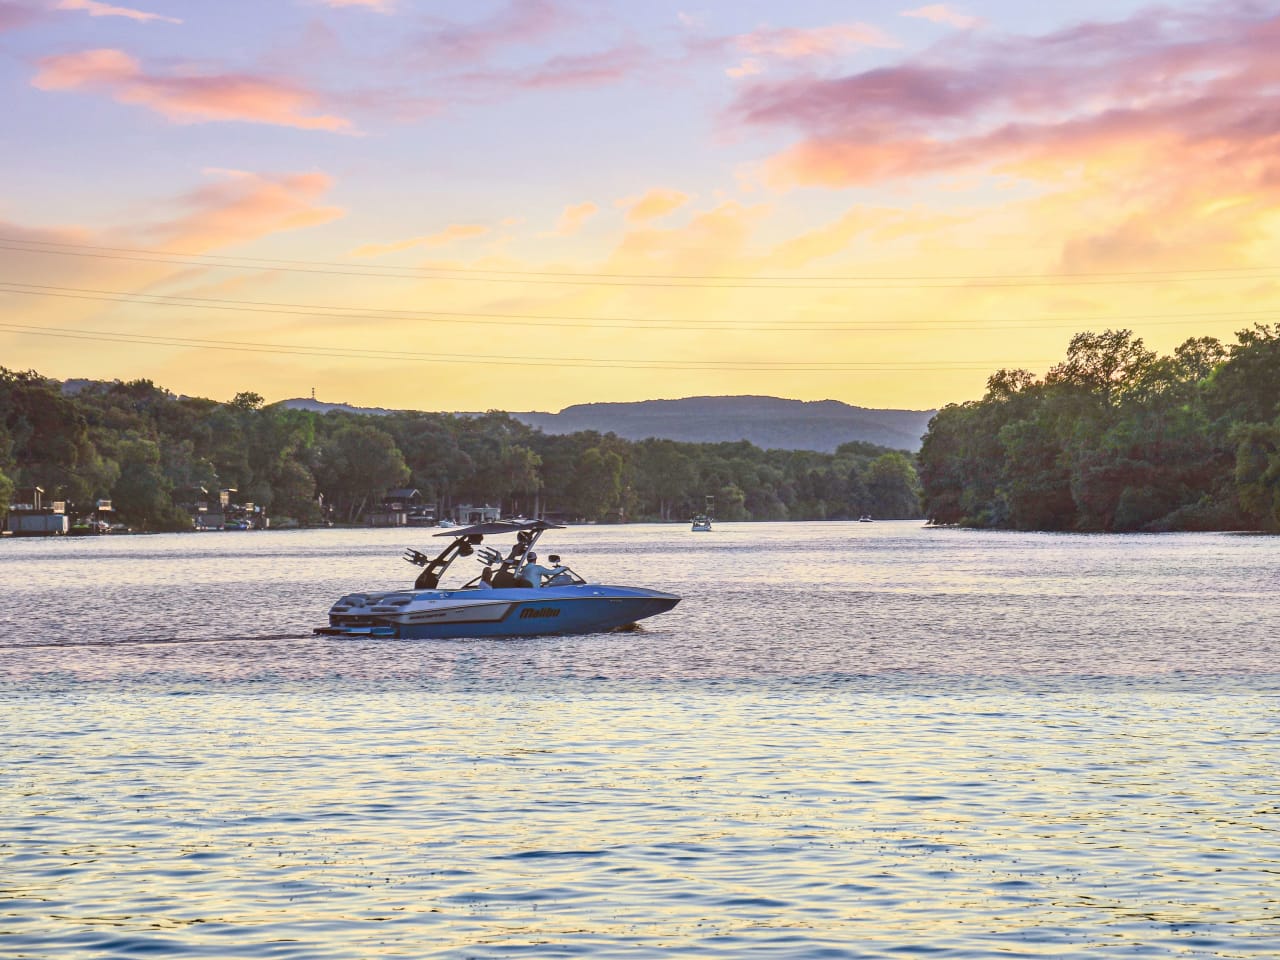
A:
(752, 366)
(710, 281)
(589, 322)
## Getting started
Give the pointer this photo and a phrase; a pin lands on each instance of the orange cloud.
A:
(185, 97)
(1175, 78)
(793, 43)
(243, 206)
(941, 13)
(801, 43)
(452, 233)
(573, 219)
(96, 9)
(656, 203)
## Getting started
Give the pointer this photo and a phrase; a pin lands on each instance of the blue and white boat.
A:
(496, 603)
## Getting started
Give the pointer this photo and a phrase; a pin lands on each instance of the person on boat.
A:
(486, 579)
(532, 573)
(557, 579)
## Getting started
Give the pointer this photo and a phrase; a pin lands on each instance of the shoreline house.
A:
(396, 507)
(31, 516)
(466, 514)
(94, 521)
(219, 511)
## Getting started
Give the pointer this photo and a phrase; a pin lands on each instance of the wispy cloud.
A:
(766, 44)
(941, 13)
(15, 14)
(655, 203)
(517, 23)
(1186, 76)
(186, 95)
(381, 6)
(793, 43)
(1164, 126)
(96, 9)
(445, 237)
(240, 206)
(573, 219)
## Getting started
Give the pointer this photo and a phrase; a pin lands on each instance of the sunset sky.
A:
(525, 204)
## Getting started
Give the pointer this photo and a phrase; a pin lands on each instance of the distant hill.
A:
(768, 422)
(319, 406)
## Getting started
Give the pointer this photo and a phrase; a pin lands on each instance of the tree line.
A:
(141, 447)
(1116, 438)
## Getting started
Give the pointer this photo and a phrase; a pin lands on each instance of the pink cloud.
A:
(381, 6)
(15, 14)
(96, 9)
(1161, 76)
(803, 42)
(241, 206)
(578, 70)
(186, 96)
(518, 23)
(941, 13)
(797, 43)
(564, 71)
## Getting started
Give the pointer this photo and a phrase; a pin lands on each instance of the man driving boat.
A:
(533, 573)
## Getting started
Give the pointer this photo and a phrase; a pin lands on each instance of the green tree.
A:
(596, 488)
(6, 494)
(141, 494)
(893, 487)
(357, 466)
(1257, 472)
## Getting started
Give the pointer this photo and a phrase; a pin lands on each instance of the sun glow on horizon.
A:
(875, 215)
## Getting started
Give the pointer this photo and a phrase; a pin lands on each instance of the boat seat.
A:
(505, 579)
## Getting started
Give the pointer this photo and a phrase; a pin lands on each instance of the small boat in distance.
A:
(702, 521)
(865, 518)
(497, 603)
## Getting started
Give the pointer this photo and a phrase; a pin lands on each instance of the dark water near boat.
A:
(850, 740)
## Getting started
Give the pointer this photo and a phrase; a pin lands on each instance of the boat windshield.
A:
(565, 578)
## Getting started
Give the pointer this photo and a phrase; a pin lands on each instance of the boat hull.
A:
(457, 614)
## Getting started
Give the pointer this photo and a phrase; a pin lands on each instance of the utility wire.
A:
(755, 366)
(725, 281)
(590, 322)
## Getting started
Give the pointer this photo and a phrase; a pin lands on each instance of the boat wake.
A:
(153, 641)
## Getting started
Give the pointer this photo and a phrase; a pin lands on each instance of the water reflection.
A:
(849, 741)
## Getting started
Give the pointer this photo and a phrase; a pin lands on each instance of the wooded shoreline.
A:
(1115, 438)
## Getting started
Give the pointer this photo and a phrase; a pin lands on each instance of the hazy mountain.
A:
(768, 422)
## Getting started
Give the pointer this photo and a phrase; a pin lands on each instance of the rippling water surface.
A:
(849, 740)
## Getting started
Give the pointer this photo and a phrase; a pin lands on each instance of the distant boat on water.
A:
(702, 521)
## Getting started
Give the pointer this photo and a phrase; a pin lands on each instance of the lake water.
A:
(848, 741)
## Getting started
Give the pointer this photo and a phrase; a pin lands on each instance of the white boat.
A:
(702, 521)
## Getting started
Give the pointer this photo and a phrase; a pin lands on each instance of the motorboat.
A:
(702, 521)
(497, 603)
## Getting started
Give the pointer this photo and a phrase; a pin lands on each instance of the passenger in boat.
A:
(532, 573)
(486, 579)
(505, 579)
